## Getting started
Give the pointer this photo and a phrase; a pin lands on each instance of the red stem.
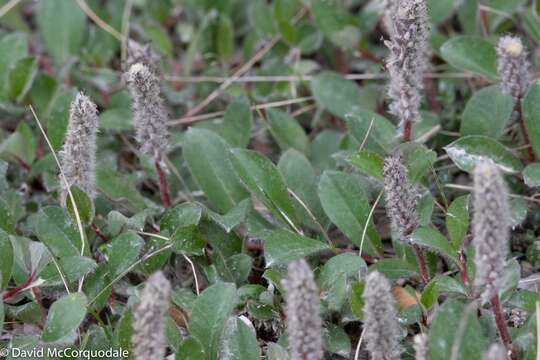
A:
(98, 232)
(407, 130)
(431, 95)
(163, 184)
(11, 293)
(501, 325)
(524, 131)
(463, 269)
(421, 263)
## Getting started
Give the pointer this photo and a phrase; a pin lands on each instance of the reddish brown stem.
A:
(524, 132)
(431, 95)
(463, 271)
(421, 263)
(98, 232)
(407, 130)
(163, 184)
(501, 325)
(11, 293)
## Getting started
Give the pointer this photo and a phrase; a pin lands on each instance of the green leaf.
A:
(234, 217)
(531, 115)
(180, 216)
(58, 118)
(65, 316)
(381, 138)
(237, 123)
(20, 146)
(440, 10)
(300, 179)
(85, 206)
(210, 312)
(471, 54)
(456, 328)
(62, 25)
(336, 23)
(261, 177)
(55, 230)
(21, 77)
(6, 260)
(347, 205)
(344, 264)
(487, 112)
(261, 19)
(338, 95)
(419, 160)
(282, 247)
(239, 341)
(531, 175)
(336, 341)
(73, 268)
(225, 38)
(123, 251)
(119, 187)
(207, 157)
(286, 131)
(7, 221)
(394, 269)
(466, 151)
(13, 47)
(434, 241)
(277, 352)
(368, 162)
(190, 349)
(457, 220)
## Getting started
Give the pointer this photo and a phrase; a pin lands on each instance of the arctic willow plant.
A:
(149, 319)
(408, 61)
(304, 324)
(514, 72)
(491, 230)
(401, 204)
(78, 156)
(150, 120)
(381, 328)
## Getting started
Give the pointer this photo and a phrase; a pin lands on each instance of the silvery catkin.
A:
(381, 327)
(490, 228)
(400, 197)
(139, 53)
(304, 324)
(408, 59)
(421, 347)
(78, 155)
(513, 67)
(150, 117)
(148, 337)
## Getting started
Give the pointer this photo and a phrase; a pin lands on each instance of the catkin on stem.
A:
(78, 155)
(408, 61)
(490, 228)
(304, 324)
(381, 328)
(150, 117)
(148, 337)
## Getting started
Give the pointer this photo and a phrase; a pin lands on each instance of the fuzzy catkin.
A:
(78, 155)
(490, 228)
(409, 57)
(381, 328)
(400, 197)
(143, 54)
(304, 324)
(150, 117)
(513, 67)
(421, 347)
(148, 337)
(496, 352)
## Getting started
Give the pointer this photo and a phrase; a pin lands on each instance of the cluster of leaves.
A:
(310, 184)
